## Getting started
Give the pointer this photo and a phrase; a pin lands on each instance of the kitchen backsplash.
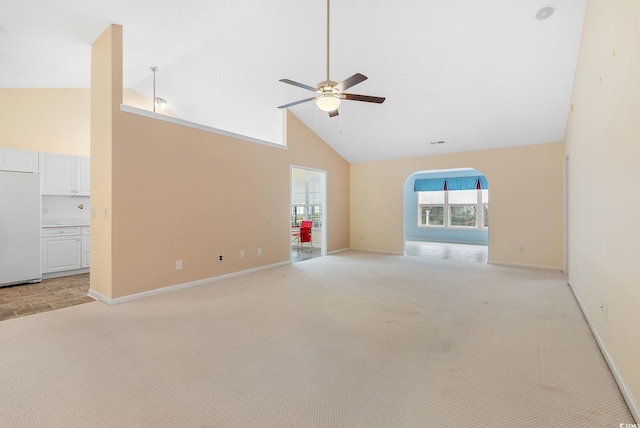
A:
(65, 207)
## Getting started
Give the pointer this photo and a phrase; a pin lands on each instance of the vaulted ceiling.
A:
(476, 74)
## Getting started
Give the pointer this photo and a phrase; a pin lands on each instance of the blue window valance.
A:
(455, 183)
(428, 184)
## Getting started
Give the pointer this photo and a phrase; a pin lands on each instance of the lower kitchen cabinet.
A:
(86, 247)
(60, 253)
(65, 249)
(85, 259)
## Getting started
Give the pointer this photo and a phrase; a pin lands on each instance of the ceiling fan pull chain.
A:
(316, 119)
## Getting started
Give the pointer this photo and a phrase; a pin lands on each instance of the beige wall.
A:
(53, 120)
(47, 120)
(526, 202)
(603, 144)
(180, 193)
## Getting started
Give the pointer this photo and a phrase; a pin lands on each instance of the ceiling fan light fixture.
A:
(327, 102)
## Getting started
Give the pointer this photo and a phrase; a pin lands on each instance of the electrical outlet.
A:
(259, 251)
(241, 253)
(178, 264)
(221, 257)
(521, 249)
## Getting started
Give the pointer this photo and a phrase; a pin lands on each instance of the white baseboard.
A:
(525, 265)
(99, 297)
(341, 250)
(373, 250)
(628, 396)
(446, 241)
(170, 288)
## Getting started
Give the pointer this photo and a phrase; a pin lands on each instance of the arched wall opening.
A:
(431, 216)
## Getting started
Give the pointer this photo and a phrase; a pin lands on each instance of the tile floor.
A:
(442, 250)
(304, 254)
(54, 293)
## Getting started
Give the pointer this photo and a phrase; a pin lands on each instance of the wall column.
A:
(106, 97)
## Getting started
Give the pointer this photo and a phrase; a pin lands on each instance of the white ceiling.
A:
(477, 74)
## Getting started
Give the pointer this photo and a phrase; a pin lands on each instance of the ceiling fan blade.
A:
(300, 85)
(334, 113)
(365, 98)
(351, 81)
(297, 102)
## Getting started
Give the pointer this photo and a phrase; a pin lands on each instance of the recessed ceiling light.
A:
(544, 13)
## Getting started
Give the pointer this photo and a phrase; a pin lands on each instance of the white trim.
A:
(64, 273)
(626, 393)
(323, 176)
(170, 288)
(566, 215)
(367, 250)
(446, 241)
(525, 265)
(97, 296)
(146, 113)
(341, 250)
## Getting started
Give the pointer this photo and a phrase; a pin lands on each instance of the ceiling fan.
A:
(330, 93)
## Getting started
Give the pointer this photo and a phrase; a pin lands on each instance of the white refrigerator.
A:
(20, 211)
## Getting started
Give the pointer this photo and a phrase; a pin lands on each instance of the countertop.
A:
(68, 221)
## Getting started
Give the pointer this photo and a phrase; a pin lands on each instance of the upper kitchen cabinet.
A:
(65, 174)
(18, 160)
(83, 175)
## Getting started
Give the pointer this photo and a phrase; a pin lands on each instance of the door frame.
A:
(567, 214)
(323, 181)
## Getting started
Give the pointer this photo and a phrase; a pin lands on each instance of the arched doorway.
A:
(446, 215)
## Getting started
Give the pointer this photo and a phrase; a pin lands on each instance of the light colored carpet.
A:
(350, 340)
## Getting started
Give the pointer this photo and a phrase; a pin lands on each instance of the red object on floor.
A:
(305, 233)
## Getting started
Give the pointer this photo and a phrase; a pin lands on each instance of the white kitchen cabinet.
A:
(18, 160)
(85, 259)
(83, 175)
(85, 247)
(61, 249)
(58, 173)
(65, 174)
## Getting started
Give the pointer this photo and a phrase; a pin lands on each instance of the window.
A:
(485, 207)
(454, 208)
(306, 201)
(432, 215)
(463, 216)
